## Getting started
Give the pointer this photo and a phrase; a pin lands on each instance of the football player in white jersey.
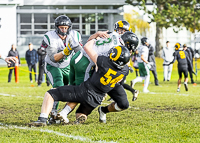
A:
(144, 66)
(60, 44)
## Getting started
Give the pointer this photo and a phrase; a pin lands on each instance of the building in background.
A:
(8, 20)
(31, 19)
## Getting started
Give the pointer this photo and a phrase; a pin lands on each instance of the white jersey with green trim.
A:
(55, 45)
(143, 50)
(101, 46)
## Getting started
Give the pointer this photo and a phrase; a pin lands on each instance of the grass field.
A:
(163, 115)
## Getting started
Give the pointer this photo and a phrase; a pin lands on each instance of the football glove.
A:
(68, 49)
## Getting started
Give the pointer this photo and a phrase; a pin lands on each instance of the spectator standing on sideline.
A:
(190, 52)
(167, 56)
(32, 59)
(151, 59)
(12, 53)
(41, 54)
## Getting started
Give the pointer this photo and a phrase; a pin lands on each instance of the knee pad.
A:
(122, 106)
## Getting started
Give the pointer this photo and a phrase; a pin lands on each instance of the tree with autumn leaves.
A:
(170, 13)
(136, 22)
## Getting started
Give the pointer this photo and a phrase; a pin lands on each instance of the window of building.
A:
(39, 23)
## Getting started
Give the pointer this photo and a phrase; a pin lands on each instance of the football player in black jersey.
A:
(183, 62)
(109, 72)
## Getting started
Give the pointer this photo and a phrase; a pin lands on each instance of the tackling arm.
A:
(88, 47)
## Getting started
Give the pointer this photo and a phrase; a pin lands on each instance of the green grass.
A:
(163, 115)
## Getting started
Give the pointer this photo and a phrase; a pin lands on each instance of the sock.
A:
(43, 115)
(55, 105)
(128, 87)
(104, 109)
(66, 110)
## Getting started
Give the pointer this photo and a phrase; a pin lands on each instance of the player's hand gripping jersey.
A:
(54, 44)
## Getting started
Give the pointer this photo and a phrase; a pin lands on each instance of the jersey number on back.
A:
(102, 42)
(182, 55)
(109, 79)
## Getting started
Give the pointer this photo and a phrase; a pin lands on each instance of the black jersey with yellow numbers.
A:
(182, 57)
(107, 76)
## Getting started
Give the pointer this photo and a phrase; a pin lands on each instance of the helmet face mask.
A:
(119, 55)
(131, 40)
(63, 20)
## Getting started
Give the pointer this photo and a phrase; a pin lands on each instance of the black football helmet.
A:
(131, 40)
(144, 40)
(119, 55)
(63, 20)
(122, 24)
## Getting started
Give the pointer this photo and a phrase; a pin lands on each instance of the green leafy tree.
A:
(136, 23)
(169, 13)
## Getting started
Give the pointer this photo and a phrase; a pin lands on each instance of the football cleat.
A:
(53, 113)
(135, 95)
(39, 123)
(62, 118)
(80, 120)
(178, 89)
(186, 86)
(102, 115)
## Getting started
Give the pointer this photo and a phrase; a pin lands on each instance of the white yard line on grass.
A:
(169, 93)
(4, 126)
(3, 94)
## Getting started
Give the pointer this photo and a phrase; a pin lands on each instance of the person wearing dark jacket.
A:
(31, 59)
(190, 53)
(41, 54)
(12, 53)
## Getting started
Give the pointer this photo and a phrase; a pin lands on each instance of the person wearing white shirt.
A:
(144, 66)
(167, 55)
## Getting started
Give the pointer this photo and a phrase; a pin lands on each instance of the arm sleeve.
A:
(76, 41)
(151, 50)
(189, 62)
(51, 51)
(36, 57)
(18, 57)
(174, 54)
(163, 54)
(9, 54)
(192, 51)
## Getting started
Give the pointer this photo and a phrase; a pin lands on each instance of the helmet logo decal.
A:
(119, 51)
(120, 24)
